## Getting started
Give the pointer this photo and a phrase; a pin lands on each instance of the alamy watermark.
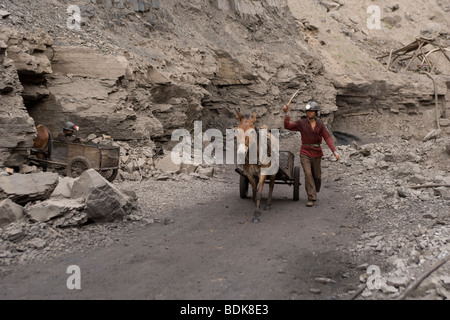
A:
(75, 11)
(74, 20)
(374, 280)
(374, 21)
(74, 280)
(252, 147)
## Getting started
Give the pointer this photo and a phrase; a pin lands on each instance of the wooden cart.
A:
(77, 158)
(287, 174)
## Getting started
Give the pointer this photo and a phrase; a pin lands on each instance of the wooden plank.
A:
(414, 56)
(443, 51)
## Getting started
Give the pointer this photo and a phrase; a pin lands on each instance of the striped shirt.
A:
(311, 139)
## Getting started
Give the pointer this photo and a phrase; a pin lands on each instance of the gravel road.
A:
(195, 240)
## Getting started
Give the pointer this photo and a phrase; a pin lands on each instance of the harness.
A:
(269, 149)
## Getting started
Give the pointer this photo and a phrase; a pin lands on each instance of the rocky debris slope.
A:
(343, 35)
(137, 70)
(33, 205)
(401, 191)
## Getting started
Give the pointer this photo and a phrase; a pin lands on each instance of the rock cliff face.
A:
(16, 126)
(139, 69)
(340, 33)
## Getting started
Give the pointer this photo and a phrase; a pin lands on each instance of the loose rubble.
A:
(405, 229)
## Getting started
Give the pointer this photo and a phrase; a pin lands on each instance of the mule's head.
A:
(246, 132)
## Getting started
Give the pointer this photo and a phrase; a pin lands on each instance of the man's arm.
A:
(329, 141)
(293, 126)
(287, 120)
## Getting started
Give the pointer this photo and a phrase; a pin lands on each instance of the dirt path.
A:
(213, 251)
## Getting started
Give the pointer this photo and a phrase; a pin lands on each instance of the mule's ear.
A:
(239, 115)
(254, 115)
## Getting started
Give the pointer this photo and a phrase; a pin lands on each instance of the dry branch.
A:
(419, 280)
(430, 186)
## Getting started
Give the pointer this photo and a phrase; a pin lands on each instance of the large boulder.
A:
(167, 165)
(68, 211)
(24, 188)
(104, 202)
(64, 188)
(10, 212)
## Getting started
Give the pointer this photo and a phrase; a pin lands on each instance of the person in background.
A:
(312, 131)
(67, 133)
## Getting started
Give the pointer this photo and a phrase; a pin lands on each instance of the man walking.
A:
(66, 135)
(312, 131)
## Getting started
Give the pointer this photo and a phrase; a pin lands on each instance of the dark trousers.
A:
(313, 175)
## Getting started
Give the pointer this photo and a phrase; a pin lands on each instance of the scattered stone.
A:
(366, 294)
(166, 165)
(387, 289)
(24, 188)
(446, 281)
(200, 176)
(188, 168)
(4, 14)
(10, 212)
(324, 280)
(37, 243)
(336, 16)
(47, 210)
(363, 266)
(64, 187)
(14, 233)
(104, 202)
(397, 281)
(430, 215)
(25, 169)
(366, 150)
(433, 134)
(163, 177)
(401, 193)
(208, 171)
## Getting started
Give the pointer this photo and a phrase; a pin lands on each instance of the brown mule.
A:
(42, 144)
(247, 139)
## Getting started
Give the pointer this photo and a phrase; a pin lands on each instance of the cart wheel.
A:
(243, 187)
(296, 183)
(109, 175)
(77, 165)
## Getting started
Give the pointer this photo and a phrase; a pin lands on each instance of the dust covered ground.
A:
(195, 239)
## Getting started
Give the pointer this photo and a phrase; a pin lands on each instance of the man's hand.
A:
(337, 156)
(286, 109)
